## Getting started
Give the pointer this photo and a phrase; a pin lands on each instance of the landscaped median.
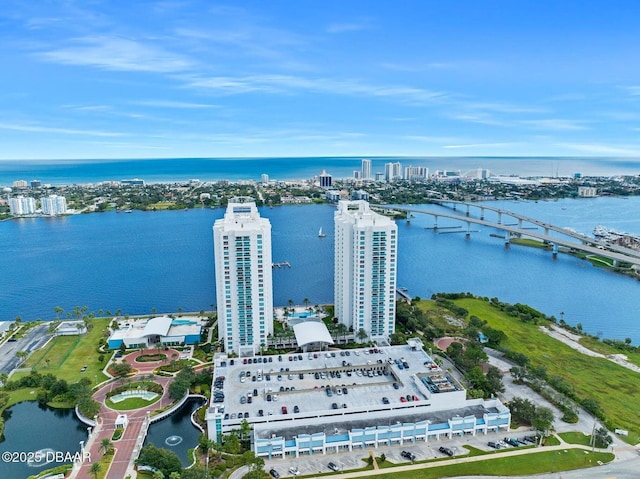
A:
(134, 395)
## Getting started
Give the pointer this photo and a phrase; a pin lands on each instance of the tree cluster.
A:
(523, 411)
(185, 379)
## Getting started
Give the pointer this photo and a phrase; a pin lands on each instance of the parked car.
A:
(275, 474)
(446, 450)
(408, 455)
(333, 466)
(294, 471)
(494, 445)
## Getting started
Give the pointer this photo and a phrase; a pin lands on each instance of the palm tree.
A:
(105, 445)
(95, 469)
(305, 301)
(58, 311)
(362, 335)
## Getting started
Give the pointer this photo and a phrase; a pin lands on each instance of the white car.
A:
(294, 471)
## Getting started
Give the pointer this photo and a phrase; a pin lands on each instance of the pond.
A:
(31, 428)
(176, 432)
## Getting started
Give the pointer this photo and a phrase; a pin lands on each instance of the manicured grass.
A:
(66, 356)
(576, 438)
(610, 384)
(130, 403)
(523, 465)
(20, 395)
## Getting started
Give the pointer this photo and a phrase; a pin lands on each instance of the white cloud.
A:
(482, 145)
(287, 84)
(632, 90)
(117, 53)
(61, 131)
(556, 124)
(348, 27)
(173, 104)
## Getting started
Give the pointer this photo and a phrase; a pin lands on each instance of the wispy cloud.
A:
(557, 124)
(482, 145)
(344, 27)
(117, 53)
(288, 84)
(174, 104)
(61, 131)
(632, 90)
(422, 66)
(478, 117)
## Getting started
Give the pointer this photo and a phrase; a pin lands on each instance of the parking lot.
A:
(355, 459)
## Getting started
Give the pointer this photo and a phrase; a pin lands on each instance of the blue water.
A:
(164, 260)
(208, 169)
(176, 432)
(30, 427)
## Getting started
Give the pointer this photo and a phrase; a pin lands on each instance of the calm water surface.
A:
(164, 260)
(30, 427)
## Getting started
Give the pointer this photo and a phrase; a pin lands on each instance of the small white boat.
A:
(321, 234)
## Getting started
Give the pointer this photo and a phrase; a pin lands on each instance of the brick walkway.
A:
(124, 447)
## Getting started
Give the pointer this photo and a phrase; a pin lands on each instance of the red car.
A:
(403, 399)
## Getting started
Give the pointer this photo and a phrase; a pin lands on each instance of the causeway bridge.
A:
(567, 238)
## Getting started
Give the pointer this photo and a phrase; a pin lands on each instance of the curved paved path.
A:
(124, 447)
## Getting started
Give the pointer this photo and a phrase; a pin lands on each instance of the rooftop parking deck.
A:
(343, 384)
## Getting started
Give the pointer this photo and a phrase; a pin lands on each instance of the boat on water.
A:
(321, 234)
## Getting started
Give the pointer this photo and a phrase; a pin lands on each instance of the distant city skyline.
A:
(278, 79)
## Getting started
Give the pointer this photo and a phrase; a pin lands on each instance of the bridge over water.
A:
(537, 223)
(571, 240)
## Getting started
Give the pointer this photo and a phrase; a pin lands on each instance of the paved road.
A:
(33, 340)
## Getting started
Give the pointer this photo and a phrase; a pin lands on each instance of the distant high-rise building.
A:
(133, 182)
(53, 205)
(326, 180)
(392, 171)
(242, 252)
(413, 173)
(366, 170)
(22, 205)
(365, 260)
(35, 184)
(20, 184)
(264, 178)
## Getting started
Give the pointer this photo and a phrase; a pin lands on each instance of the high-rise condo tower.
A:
(365, 257)
(244, 292)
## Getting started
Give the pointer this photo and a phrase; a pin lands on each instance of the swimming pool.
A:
(302, 315)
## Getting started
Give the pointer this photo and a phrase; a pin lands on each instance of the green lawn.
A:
(576, 438)
(130, 403)
(20, 395)
(602, 348)
(525, 465)
(64, 356)
(611, 385)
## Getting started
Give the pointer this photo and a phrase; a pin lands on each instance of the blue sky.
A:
(153, 79)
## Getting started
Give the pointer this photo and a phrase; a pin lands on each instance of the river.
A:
(164, 260)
